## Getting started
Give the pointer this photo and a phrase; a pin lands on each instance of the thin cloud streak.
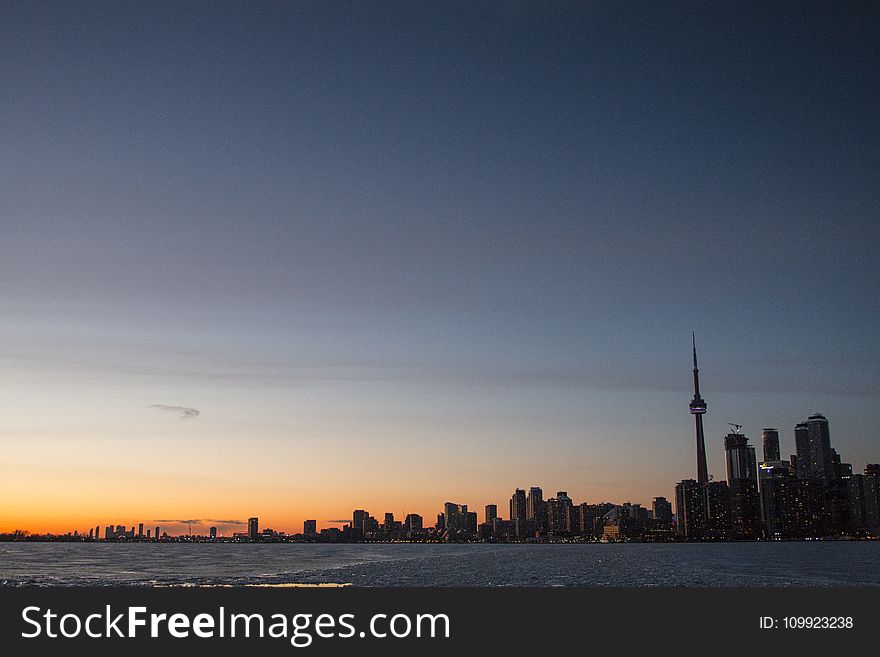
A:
(185, 412)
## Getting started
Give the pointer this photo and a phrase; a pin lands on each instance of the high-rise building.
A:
(456, 520)
(535, 507)
(491, 512)
(157, 532)
(388, 525)
(470, 523)
(573, 520)
(813, 444)
(310, 527)
(717, 500)
(212, 532)
(662, 510)
(140, 529)
(742, 477)
(413, 524)
(557, 515)
(518, 505)
(518, 513)
(253, 529)
(770, 441)
(690, 512)
(772, 479)
(359, 524)
(856, 497)
(698, 408)
(871, 483)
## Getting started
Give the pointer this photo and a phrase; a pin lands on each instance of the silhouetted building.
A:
(813, 444)
(470, 523)
(772, 479)
(491, 513)
(253, 529)
(212, 532)
(690, 512)
(871, 482)
(718, 519)
(518, 512)
(770, 441)
(742, 477)
(413, 524)
(535, 507)
(359, 524)
(662, 509)
(457, 521)
(371, 527)
(310, 527)
(557, 513)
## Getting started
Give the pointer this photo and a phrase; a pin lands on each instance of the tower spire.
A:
(698, 408)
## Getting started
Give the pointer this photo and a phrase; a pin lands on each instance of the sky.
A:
(394, 254)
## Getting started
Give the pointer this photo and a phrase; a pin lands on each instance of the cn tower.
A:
(698, 407)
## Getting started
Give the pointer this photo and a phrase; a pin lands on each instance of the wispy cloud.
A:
(177, 521)
(338, 522)
(185, 413)
(226, 522)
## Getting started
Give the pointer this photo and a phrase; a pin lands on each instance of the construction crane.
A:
(736, 427)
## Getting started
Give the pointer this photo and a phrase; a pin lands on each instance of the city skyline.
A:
(278, 259)
(737, 468)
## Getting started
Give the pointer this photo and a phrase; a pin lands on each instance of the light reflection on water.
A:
(175, 564)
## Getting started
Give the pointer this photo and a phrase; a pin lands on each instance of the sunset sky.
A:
(393, 254)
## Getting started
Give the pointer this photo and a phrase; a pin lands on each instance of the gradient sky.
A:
(397, 254)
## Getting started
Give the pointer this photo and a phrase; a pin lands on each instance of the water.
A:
(711, 564)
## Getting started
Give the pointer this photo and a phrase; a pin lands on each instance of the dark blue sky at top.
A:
(551, 192)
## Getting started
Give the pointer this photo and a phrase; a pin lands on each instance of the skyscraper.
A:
(518, 505)
(457, 520)
(491, 512)
(662, 513)
(698, 408)
(518, 513)
(717, 500)
(813, 444)
(742, 477)
(690, 512)
(535, 507)
(871, 480)
(310, 527)
(413, 523)
(253, 529)
(770, 441)
(557, 514)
